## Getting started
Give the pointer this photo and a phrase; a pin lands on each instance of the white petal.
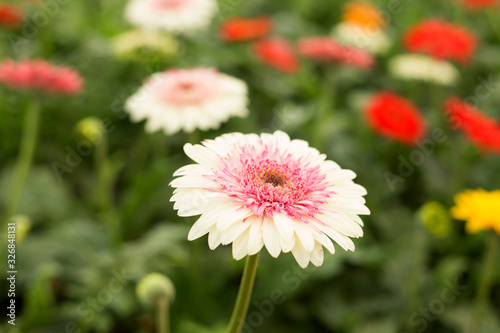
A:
(271, 237)
(284, 225)
(300, 254)
(240, 246)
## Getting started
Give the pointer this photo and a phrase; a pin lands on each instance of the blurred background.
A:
(92, 229)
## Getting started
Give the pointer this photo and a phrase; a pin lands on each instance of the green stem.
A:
(244, 295)
(326, 105)
(24, 159)
(417, 268)
(492, 17)
(105, 188)
(163, 317)
(485, 284)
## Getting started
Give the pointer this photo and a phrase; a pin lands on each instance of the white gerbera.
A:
(424, 68)
(254, 191)
(364, 37)
(175, 16)
(187, 99)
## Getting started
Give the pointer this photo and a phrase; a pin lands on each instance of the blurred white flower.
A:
(424, 68)
(364, 37)
(254, 191)
(175, 16)
(188, 99)
(137, 43)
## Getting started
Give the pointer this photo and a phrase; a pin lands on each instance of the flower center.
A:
(274, 180)
(185, 90)
(170, 4)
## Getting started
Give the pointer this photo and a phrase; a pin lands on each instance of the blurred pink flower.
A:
(40, 75)
(328, 50)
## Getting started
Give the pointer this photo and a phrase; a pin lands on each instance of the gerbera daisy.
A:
(479, 4)
(374, 41)
(421, 67)
(481, 129)
(442, 40)
(175, 16)
(277, 53)
(10, 16)
(142, 45)
(40, 75)
(326, 49)
(481, 210)
(363, 14)
(395, 117)
(187, 99)
(255, 191)
(241, 29)
(362, 26)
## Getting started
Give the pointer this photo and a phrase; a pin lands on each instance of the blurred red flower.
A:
(40, 75)
(479, 4)
(326, 49)
(241, 29)
(395, 117)
(277, 53)
(481, 129)
(10, 16)
(442, 40)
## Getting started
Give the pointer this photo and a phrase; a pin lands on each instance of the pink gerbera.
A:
(254, 191)
(41, 76)
(328, 50)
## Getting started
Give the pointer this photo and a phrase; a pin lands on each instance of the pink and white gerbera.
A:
(255, 191)
(188, 99)
(174, 16)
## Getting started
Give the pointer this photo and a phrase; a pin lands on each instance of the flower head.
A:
(277, 53)
(479, 4)
(481, 129)
(421, 67)
(441, 40)
(187, 99)
(175, 16)
(41, 76)
(241, 29)
(481, 210)
(10, 16)
(436, 219)
(372, 40)
(91, 129)
(395, 118)
(254, 191)
(326, 49)
(140, 44)
(363, 14)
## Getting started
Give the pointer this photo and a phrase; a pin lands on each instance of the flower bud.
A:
(23, 226)
(138, 45)
(91, 129)
(436, 219)
(153, 287)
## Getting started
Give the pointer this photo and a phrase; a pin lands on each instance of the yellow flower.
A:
(436, 219)
(140, 45)
(363, 14)
(481, 210)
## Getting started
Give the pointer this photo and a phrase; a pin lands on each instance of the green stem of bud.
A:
(25, 157)
(163, 316)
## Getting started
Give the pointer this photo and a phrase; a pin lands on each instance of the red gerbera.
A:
(326, 49)
(481, 129)
(395, 117)
(479, 4)
(240, 29)
(277, 53)
(39, 75)
(442, 40)
(10, 16)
